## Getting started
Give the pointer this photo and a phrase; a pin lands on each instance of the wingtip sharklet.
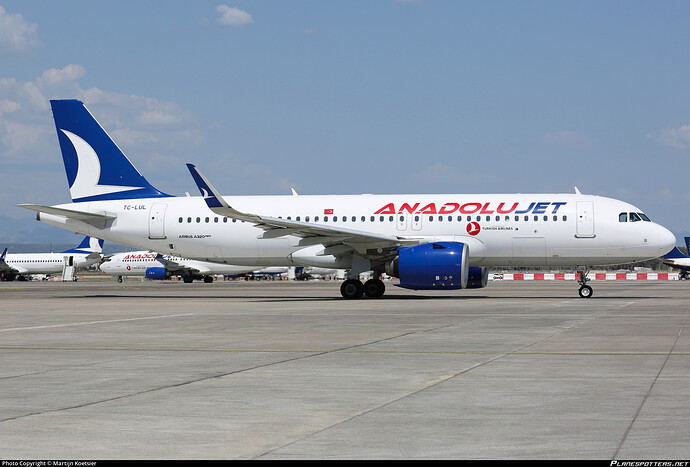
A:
(210, 195)
(215, 201)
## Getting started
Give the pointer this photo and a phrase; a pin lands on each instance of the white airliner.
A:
(20, 265)
(429, 242)
(677, 260)
(156, 266)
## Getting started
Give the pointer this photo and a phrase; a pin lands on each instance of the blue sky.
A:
(340, 97)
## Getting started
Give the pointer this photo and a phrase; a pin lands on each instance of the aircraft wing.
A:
(174, 266)
(169, 264)
(368, 244)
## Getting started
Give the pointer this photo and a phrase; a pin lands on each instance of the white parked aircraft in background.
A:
(20, 265)
(434, 242)
(156, 266)
(677, 260)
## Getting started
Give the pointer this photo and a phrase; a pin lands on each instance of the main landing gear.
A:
(585, 290)
(353, 288)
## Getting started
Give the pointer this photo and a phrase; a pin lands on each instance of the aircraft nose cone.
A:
(667, 241)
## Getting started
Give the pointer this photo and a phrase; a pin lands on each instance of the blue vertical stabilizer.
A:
(96, 167)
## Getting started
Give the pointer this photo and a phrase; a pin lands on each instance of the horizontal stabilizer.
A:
(69, 213)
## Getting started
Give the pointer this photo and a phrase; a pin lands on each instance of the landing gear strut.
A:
(585, 290)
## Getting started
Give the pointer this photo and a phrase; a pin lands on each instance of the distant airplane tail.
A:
(96, 167)
(88, 245)
(687, 245)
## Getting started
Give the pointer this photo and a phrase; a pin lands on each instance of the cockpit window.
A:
(634, 217)
(623, 217)
(644, 217)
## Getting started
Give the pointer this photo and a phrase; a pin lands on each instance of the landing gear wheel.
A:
(352, 288)
(374, 288)
(187, 278)
(208, 279)
(586, 291)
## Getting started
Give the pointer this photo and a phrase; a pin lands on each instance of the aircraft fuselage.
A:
(500, 230)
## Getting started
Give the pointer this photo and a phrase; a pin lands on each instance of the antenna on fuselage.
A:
(577, 191)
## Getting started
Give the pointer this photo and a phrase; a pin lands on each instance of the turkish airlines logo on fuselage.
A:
(473, 228)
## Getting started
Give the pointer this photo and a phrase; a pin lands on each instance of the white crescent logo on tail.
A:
(89, 171)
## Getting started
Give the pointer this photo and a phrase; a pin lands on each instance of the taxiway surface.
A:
(289, 370)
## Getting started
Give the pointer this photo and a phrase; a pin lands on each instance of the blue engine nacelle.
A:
(159, 274)
(477, 278)
(431, 266)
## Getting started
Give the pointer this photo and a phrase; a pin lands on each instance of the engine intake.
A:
(159, 274)
(431, 266)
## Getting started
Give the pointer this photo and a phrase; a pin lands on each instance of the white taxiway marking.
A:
(87, 323)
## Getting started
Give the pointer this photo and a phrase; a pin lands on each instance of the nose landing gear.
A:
(585, 290)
